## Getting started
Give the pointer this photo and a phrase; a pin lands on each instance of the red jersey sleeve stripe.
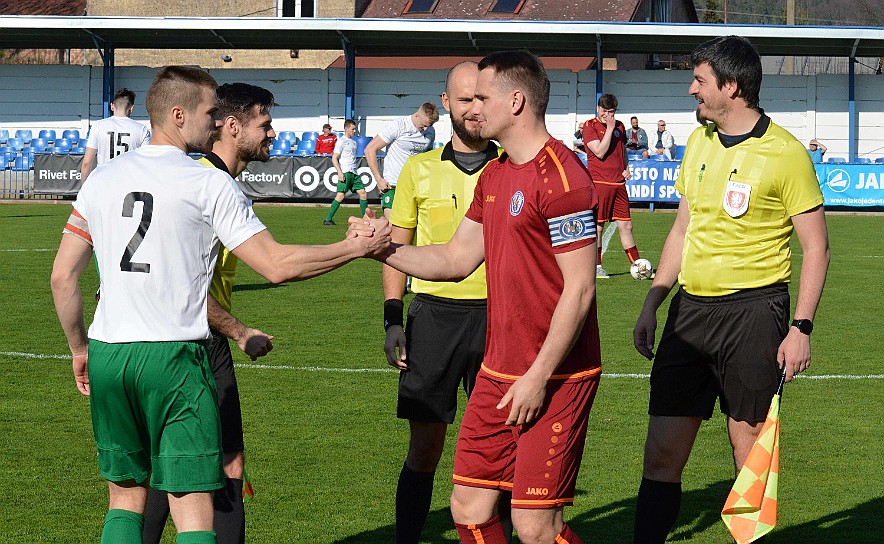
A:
(555, 159)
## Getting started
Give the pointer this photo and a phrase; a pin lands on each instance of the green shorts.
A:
(352, 182)
(155, 413)
(387, 198)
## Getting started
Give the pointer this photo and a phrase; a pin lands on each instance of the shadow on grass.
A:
(257, 286)
(700, 510)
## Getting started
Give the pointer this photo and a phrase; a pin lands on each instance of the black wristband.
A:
(393, 308)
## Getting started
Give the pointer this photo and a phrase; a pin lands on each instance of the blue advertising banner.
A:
(851, 184)
(653, 181)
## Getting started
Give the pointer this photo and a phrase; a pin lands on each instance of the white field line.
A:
(252, 366)
(27, 250)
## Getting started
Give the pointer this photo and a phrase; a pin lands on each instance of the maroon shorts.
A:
(538, 462)
(613, 202)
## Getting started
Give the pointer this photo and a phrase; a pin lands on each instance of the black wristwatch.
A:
(803, 325)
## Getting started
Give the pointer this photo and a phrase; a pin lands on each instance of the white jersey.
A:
(347, 148)
(403, 140)
(153, 215)
(116, 135)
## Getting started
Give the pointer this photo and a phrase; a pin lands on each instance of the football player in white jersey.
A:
(154, 217)
(115, 135)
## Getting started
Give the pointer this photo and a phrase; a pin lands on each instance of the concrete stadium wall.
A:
(59, 97)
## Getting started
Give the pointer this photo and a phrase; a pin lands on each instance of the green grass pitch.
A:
(324, 448)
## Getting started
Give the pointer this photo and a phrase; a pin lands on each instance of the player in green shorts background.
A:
(344, 159)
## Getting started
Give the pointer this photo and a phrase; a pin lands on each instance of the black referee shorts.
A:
(221, 361)
(445, 344)
(720, 347)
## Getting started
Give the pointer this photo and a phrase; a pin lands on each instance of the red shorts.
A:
(538, 462)
(613, 202)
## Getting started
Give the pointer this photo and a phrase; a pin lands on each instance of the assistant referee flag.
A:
(750, 510)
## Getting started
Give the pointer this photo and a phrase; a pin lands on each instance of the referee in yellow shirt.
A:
(746, 184)
(444, 343)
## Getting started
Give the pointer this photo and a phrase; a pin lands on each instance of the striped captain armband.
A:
(79, 227)
(572, 227)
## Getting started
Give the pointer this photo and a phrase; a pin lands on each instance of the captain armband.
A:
(79, 227)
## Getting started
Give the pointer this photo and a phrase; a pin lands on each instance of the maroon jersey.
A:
(325, 145)
(609, 169)
(531, 212)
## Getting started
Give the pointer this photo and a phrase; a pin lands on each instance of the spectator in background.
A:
(665, 142)
(577, 144)
(636, 139)
(115, 135)
(325, 142)
(816, 150)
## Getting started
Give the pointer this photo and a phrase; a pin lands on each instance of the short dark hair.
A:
(176, 85)
(732, 58)
(349, 122)
(633, 117)
(524, 71)
(240, 99)
(124, 98)
(431, 111)
(608, 102)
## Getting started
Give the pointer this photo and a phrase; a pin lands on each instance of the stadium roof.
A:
(421, 37)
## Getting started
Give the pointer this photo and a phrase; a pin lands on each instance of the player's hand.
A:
(378, 243)
(383, 185)
(644, 333)
(395, 340)
(526, 396)
(610, 121)
(361, 226)
(81, 373)
(255, 343)
(627, 174)
(794, 352)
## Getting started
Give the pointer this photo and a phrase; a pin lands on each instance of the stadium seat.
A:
(4, 163)
(4, 136)
(16, 144)
(48, 135)
(21, 164)
(307, 145)
(679, 152)
(64, 144)
(78, 150)
(287, 135)
(39, 145)
(25, 135)
(437, 145)
(281, 145)
(361, 142)
(58, 150)
(879, 160)
(300, 153)
(634, 156)
(861, 160)
(275, 152)
(310, 136)
(10, 154)
(836, 160)
(73, 135)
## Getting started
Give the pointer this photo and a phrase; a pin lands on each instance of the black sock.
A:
(504, 512)
(413, 496)
(230, 518)
(656, 511)
(156, 512)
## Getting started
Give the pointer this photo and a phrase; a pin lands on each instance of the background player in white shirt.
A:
(403, 138)
(154, 218)
(115, 135)
(344, 159)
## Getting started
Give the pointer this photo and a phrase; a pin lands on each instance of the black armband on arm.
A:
(393, 312)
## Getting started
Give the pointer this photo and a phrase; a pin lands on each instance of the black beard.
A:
(469, 139)
(700, 119)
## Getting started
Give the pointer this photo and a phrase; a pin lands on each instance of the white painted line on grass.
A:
(24, 355)
(22, 250)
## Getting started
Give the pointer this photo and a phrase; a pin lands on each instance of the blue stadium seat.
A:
(48, 135)
(879, 160)
(275, 152)
(58, 150)
(437, 145)
(4, 136)
(25, 135)
(40, 144)
(21, 164)
(361, 142)
(836, 160)
(64, 144)
(309, 135)
(16, 144)
(287, 135)
(634, 156)
(679, 152)
(4, 162)
(78, 150)
(281, 145)
(307, 145)
(861, 160)
(72, 134)
(9, 153)
(300, 153)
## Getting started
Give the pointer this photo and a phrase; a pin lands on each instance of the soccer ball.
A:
(641, 269)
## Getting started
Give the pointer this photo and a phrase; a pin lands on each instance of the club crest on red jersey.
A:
(516, 203)
(736, 198)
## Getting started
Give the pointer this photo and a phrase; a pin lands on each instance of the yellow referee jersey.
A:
(741, 200)
(221, 287)
(432, 196)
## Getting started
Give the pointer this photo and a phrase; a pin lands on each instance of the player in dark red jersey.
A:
(532, 221)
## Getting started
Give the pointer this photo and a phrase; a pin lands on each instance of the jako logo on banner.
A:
(838, 180)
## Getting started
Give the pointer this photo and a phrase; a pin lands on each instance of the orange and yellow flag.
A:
(750, 510)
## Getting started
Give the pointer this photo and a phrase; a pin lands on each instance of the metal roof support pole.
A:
(851, 109)
(350, 79)
(598, 71)
(107, 92)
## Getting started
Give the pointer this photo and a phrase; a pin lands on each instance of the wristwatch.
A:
(803, 325)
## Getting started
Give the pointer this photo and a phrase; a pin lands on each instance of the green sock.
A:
(334, 208)
(122, 527)
(196, 537)
(363, 205)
